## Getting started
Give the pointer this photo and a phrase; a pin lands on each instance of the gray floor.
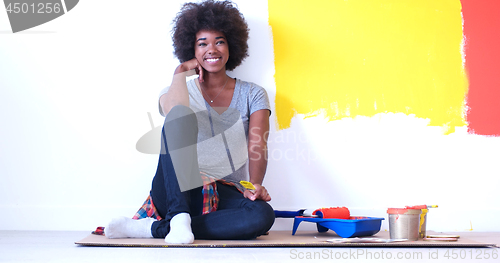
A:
(54, 246)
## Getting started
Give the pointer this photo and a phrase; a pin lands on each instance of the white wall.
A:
(74, 97)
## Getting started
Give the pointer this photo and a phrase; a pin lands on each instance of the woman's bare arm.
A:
(178, 94)
(257, 153)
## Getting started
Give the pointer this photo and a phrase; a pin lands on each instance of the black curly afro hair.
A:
(221, 16)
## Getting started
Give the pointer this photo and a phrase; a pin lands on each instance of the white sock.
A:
(123, 227)
(180, 230)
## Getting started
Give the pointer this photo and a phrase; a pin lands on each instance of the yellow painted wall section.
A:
(346, 58)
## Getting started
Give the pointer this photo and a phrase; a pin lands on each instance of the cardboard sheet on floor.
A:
(275, 239)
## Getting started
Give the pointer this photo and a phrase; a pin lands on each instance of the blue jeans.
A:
(236, 217)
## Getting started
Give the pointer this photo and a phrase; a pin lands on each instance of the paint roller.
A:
(331, 212)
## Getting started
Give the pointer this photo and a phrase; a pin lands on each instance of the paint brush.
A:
(432, 206)
(249, 186)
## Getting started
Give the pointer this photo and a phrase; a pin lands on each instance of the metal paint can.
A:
(404, 223)
(422, 229)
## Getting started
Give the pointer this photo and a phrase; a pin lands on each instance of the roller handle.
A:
(288, 214)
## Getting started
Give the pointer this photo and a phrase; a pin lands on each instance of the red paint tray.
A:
(355, 226)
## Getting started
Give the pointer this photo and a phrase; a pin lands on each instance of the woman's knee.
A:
(180, 128)
(178, 111)
(262, 216)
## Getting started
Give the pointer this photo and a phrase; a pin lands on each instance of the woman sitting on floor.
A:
(216, 128)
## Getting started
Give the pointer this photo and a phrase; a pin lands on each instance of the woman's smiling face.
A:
(211, 50)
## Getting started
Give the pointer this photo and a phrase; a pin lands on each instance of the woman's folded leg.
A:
(236, 218)
(176, 175)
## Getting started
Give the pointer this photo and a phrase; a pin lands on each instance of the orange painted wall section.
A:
(482, 49)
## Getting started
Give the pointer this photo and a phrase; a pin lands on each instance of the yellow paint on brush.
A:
(247, 185)
(347, 58)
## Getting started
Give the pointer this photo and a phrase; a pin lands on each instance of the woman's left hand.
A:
(260, 192)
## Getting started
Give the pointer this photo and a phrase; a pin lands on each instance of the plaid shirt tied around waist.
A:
(210, 199)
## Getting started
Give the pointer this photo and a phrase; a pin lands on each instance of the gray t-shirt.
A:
(222, 138)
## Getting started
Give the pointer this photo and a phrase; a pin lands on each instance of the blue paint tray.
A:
(355, 226)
